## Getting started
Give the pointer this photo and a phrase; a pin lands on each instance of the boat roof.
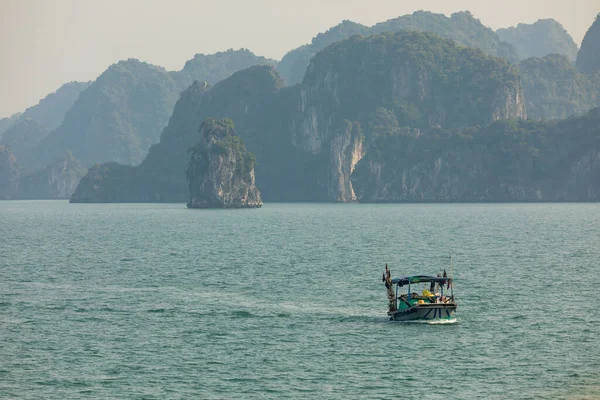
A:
(405, 280)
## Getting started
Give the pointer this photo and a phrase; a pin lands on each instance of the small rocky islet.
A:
(221, 170)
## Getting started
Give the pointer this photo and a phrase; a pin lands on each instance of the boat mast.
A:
(451, 280)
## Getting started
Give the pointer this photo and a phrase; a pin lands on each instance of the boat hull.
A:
(426, 312)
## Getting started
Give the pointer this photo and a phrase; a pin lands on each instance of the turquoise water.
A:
(157, 301)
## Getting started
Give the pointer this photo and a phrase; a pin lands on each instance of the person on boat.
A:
(387, 277)
(448, 280)
(445, 276)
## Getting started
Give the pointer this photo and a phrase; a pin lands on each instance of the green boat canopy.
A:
(405, 280)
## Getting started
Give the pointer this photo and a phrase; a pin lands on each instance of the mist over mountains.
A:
(526, 40)
(324, 110)
(124, 111)
(50, 111)
(461, 27)
(546, 36)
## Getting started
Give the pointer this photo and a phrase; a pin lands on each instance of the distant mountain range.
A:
(50, 111)
(121, 114)
(308, 138)
(526, 40)
(115, 118)
(343, 92)
(461, 26)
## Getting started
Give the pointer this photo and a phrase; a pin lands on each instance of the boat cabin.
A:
(439, 291)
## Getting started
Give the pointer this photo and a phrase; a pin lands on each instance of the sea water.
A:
(158, 301)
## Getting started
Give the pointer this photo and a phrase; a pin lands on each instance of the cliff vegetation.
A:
(509, 160)
(221, 170)
(554, 89)
(308, 138)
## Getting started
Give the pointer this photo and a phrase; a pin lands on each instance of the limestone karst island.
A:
(419, 108)
(221, 171)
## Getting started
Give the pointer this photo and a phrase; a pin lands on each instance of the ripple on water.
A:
(152, 301)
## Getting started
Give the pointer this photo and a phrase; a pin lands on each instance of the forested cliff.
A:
(553, 88)
(308, 138)
(360, 91)
(505, 161)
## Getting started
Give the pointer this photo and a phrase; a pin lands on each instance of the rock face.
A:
(588, 58)
(554, 89)
(506, 161)
(347, 148)
(56, 181)
(9, 174)
(546, 36)
(308, 138)
(221, 170)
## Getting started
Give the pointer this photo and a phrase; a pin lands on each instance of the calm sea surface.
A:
(157, 301)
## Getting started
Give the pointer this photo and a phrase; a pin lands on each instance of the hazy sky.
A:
(45, 43)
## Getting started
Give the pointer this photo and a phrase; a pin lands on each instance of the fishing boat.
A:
(431, 304)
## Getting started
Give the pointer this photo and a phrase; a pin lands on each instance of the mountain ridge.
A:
(123, 112)
(543, 37)
(313, 134)
(457, 27)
